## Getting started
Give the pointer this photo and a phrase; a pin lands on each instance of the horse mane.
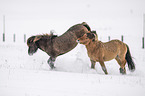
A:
(47, 36)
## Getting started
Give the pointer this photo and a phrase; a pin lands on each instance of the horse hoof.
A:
(92, 67)
(52, 67)
(122, 71)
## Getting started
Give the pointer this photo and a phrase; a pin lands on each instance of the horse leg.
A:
(103, 67)
(51, 61)
(122, 71)
(122, 65)
(93, 64)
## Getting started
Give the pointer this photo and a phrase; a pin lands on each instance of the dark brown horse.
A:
(57, 45)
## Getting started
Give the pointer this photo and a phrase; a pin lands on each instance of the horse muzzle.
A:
(30, 53)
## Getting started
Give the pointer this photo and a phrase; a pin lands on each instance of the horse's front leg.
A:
(51, 61)
(103, 67)
(93, 64)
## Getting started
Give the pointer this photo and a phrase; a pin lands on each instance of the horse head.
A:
(86, 38)
(39, 41)
(31, 42)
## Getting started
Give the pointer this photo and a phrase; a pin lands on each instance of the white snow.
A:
(24, 75)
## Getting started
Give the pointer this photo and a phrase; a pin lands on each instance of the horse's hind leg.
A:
(93, 64)
(51, 61)
(103, 67)
(122, 63)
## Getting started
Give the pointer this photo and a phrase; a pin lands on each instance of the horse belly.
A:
(67, 47)
(109, 56)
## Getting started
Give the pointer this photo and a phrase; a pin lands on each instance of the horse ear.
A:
(37, 38)
(95, 38)
(93, 32)
(30, 40)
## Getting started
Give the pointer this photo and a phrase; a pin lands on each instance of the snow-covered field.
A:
(24, 75)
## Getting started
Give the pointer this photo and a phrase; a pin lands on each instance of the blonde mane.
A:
(46, 34)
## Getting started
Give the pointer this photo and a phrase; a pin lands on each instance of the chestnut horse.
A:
(57, 45)
(101, 52)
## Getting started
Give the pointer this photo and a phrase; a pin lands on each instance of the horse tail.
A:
(87, 26)
(129, 60)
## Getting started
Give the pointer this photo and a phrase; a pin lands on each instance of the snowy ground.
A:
(24, 75)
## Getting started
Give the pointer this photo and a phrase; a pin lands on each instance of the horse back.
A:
(79, 30)
(114, 45)
(113, 48)
(67, 41)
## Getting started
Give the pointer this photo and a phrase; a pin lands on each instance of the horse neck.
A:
(68, 33)
(93, 45)
(64, 43)
(43, 44)
(67, 36)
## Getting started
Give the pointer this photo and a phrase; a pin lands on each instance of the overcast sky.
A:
(37, 16)
(71, 8)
